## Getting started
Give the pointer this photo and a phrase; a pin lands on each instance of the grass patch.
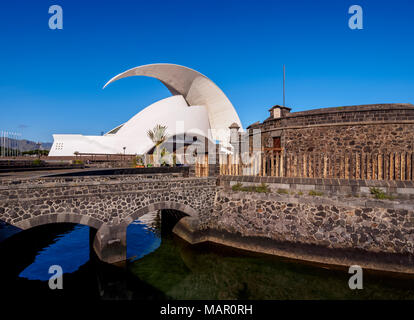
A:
(37, 162)
(282, 191)
(315, 193)
(237, 187)
(263, 188)
(380, 194)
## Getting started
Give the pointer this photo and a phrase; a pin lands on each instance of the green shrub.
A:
(77, 161)
(282, 191)
(249, 189)
(37, 162)
(315, 193)
(300, 193)
(379, 194)
(237, 187)
(263, 188)
(36, 152)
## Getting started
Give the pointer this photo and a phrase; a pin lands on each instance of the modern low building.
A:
(197, 108)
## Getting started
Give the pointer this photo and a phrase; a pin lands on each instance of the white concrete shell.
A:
(197, 107)
(196, 88)
(172, 112)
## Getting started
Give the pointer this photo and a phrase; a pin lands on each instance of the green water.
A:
(166, 267)
(182, 271)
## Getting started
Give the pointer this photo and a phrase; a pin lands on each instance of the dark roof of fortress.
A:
(364, 107)
(355, 108)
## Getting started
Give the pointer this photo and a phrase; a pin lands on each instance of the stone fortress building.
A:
(376, 128)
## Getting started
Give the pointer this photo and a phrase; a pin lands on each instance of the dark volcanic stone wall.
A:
(306, 220)
(368, 128)
(366, 138)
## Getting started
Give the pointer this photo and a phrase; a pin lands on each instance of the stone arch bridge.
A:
(107, 203)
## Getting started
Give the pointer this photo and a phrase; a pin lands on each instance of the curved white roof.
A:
(197, 107)
(172, 112)
(197, 90)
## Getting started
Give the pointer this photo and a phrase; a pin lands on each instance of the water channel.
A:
(162, 266)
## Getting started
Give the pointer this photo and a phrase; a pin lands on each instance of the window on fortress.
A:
(276, 142)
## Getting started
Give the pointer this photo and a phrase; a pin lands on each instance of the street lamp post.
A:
(124, 152)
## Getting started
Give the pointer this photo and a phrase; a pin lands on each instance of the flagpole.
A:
(284, 77)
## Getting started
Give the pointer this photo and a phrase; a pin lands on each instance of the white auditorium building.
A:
(197, 107)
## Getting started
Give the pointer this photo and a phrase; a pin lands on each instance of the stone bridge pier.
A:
(108, 205)
(110, 243)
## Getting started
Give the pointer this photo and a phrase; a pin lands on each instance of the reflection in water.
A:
(143, 236)
(207, 271)
(70, 250)
(171, 269)
(7, 230)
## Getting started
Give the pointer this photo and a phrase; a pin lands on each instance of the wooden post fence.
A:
(366, 166)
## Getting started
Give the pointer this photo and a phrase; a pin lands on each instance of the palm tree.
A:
(158, 135)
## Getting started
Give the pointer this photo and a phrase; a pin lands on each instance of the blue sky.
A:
(51, 80)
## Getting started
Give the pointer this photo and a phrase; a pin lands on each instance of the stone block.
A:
(405, 190)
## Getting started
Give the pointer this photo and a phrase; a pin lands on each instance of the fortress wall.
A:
(301, 228)
(368, 129)
(370, 138)
(338, 230)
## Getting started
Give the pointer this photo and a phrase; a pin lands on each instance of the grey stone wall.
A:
(304, 219)
(338, 229)
(54, 180)
(356, 139)
(342, 188)
(379, 128)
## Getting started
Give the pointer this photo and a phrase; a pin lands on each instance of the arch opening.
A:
(59, 218)
(28, 254)
(7, 230)
(148, 229)
(163, 205)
